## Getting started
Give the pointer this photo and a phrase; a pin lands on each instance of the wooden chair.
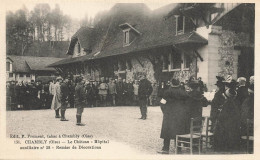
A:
(195, 134)
(249, 137)
(207, 135)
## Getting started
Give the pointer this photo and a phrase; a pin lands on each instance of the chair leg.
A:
(199, 145)
(176, 145)
(247, 146)
(191, 146)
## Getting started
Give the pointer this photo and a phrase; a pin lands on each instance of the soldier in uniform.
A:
(80, 97)
(144, 91)
(65, 91)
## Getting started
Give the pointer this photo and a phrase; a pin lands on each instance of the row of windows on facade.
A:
(170, 62)
(180, 21)
(11, 75)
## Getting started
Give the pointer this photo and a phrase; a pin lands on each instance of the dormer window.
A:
(130, 33)
(126, 37)
(180, 24)
(79, 48)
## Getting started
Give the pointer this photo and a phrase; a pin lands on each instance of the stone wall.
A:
(222, 55)
(137, 69)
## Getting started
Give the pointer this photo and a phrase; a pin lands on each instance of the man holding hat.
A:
(65, 91)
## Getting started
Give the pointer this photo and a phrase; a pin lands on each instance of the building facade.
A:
(175, 41)
(27, 68)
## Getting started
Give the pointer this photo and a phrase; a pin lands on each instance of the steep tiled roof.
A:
(27, 64)
(107, 37)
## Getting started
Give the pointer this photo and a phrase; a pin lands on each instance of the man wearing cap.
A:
(112, 91)
(56, 101)
(144, 91)
(102, 91)
(72, 86)
(65, 91)
(80, 97)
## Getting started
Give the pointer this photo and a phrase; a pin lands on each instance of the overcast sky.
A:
(76, 9)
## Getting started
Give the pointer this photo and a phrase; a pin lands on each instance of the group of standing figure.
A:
(232, 104)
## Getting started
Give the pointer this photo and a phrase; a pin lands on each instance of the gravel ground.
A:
(118, 124)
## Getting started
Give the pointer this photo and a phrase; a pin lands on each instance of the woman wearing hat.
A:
(218, 99)
(227, 131)
(195, 102)
(174, 114)
(56, 101)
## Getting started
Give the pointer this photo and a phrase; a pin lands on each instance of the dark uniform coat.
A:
(80, 94)
(227, 131)
(145, 89)
(174, 112)
(64, 92)
(20, 93)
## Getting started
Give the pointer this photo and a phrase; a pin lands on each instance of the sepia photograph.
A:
(123, 80)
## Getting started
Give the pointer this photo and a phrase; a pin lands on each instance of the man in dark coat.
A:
(195, 102)
(227, 131)
(65, 91)
(120, 91)
(174, 114)
(242, 92)
(247, 109)
(72, 86)
(144, 91)
(91, 91)
(129, 92)
(80, 97)
(20, 93)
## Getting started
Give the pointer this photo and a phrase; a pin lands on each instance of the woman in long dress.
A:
(227, 132)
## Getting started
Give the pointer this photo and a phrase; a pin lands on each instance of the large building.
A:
(27, 68)
(174, 41)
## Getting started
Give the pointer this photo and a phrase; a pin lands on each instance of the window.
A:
(126, 37)
(122, 65)
(8, 66)
(11, 75)
(28, 75)
(187, 61)
(21, 75)
(128, 65)
(78, 48)
(165, 62)
(179, 61)
(180, 24)
(176, 61)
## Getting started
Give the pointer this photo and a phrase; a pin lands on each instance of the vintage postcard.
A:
(129, 80)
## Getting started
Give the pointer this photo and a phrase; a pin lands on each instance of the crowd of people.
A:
(232, 105)
(106, 92)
